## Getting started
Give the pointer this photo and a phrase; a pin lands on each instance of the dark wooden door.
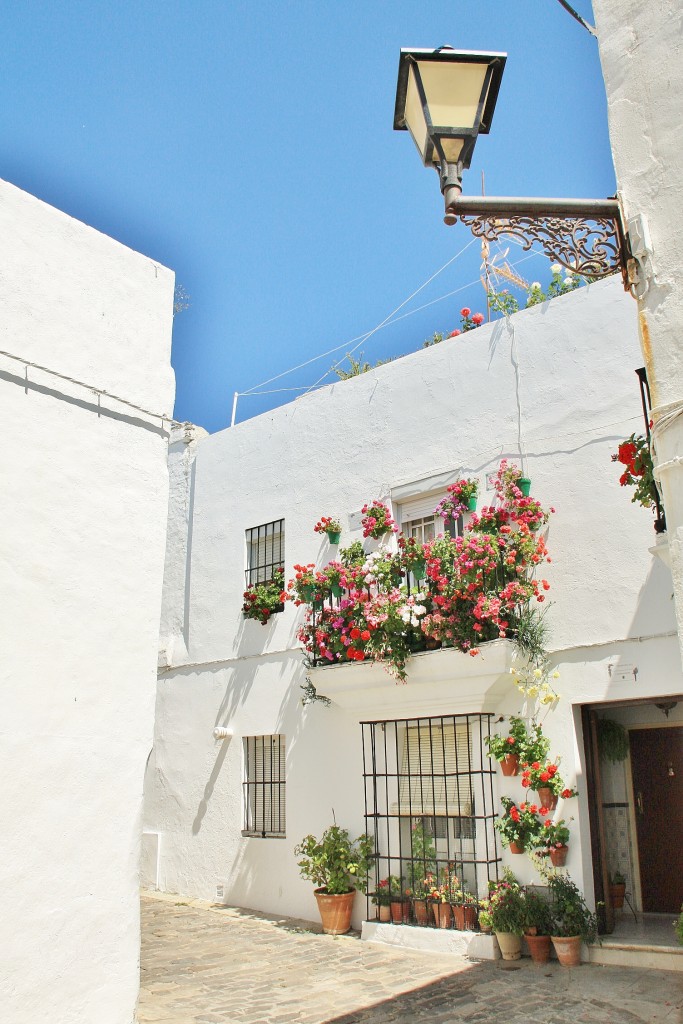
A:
(657, 768)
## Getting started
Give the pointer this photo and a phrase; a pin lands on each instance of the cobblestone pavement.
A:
(219, 965)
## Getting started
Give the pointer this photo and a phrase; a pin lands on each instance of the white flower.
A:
(556, 675)
(532, 691)
(419, 609)
(369, 578)
(535, 286)
(555, 269)
(569, 281)
(537, 673)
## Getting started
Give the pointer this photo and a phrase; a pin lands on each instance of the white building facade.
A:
(84, 507)
(552, 388)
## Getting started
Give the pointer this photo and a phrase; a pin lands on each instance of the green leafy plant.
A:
(571, 915)
(335, 863)
(422, 863)
(506, 906)
(353, 555)
(554, 834)
(613, 742)
(261, 600)
(388, 891)
(635, 456)
(518, 825)
(527, 743)
(537, 912)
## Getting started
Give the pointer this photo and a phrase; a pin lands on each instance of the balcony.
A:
(439, 682)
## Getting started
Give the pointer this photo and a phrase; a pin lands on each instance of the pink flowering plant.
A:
(377, 521)
(479, 587)
(468, 322)
(458, 499)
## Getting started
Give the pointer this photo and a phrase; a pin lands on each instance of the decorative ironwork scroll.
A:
(590, 247)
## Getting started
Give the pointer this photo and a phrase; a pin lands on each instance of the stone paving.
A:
(205, 964)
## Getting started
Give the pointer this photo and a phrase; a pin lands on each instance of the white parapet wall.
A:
(84, 505)
(557, 382)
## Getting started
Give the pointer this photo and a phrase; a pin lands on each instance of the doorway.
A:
(657, 777)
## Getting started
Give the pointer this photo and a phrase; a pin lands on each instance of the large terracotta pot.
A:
(558, 856)
(510, 945)
(516, 847)
(509, 764)
(335, 911)
(442, 914)
(539, 947)
(464, 917)
(400, 911)
(546, 797)
(568, 949)
(421, 912)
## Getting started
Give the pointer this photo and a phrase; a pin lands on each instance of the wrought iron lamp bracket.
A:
(586, 236)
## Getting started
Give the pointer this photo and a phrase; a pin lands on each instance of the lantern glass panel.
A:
(414, 115)
(453, 92)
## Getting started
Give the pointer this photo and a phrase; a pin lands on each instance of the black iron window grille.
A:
(429, 805)
(264, 787)
(265, 551)
(660, 521)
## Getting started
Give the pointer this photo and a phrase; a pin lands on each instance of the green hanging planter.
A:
(336, 590)
(307, 593)
(524, 485)
(418, 570)
(318, 603)
(334, 536)
(472, 504)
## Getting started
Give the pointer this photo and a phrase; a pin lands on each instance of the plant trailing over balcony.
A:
(261, 600)
(478, 587)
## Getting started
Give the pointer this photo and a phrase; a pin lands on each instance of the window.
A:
(264, 786)
(265, 551)
(418, 520)
(429, 799)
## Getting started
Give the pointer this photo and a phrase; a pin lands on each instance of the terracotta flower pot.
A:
(335, 911)
(617, 892)
(421, 912)
(558, 856)
(546, 797)
(509, 765)
(539, 947)
(510, 945)
(464, 917)
(442, 914)
(568, 949)
(516, 847)
(400, 911)
(384, 913)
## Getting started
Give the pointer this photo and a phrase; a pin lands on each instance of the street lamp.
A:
(445, 98)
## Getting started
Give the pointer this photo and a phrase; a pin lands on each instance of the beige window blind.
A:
(434, 776)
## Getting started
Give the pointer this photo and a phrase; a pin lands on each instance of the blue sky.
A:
(250, 148)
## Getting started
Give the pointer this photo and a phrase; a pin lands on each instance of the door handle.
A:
(639, 802)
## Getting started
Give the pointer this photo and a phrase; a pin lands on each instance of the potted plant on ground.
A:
(382, 900)
(485, 921)
(617, 890)
(573, 922)
(261, 600)
(421, 869)
(519, 827)
(553, 841)
(464, 909)
(538, 924)
(330, 525)
(441, 908)
(338, 866)
(399, 902)
(506, 907)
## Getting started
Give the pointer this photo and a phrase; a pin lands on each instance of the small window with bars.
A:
(264, 787)
(265, 551)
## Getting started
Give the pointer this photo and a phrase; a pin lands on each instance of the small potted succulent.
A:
(338, 866)
(330, 525)
(519, 827)
(261, 600)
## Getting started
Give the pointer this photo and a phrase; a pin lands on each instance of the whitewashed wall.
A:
(84, 503)
(567, 370)
(641, 50)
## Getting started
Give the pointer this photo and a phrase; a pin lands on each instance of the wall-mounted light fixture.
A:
(445, 98)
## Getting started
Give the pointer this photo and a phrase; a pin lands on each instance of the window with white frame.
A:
(264, 786)
(418, 520)
(265, 551)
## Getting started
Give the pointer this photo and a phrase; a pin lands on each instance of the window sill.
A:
(263, 835)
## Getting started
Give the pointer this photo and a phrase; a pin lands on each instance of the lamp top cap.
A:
(448, 55)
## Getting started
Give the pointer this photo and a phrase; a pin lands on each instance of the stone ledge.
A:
(474, 945)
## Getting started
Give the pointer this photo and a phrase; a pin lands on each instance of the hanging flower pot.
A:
(516, 847)
(418, 570)
(509, 765)
(546, 797)
(336, 590)
(524, 485)
(472, 503)
(307, 593)
(334, 536)
(558, 856)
